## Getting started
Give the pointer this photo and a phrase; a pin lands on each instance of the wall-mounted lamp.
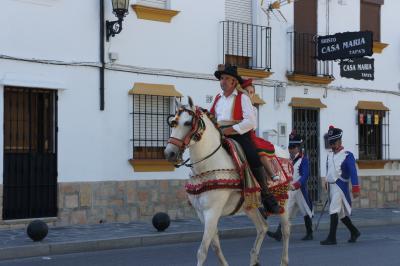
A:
(120, 9)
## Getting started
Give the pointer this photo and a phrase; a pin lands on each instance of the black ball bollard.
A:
(37, 230)
(161, 221)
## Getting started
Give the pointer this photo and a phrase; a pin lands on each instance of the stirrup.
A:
(276, 178)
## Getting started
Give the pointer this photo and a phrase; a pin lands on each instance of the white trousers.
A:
(338, 203)
(296, 202)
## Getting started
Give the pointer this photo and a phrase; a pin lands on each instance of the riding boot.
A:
(267, 199)
(277, 235)
(308, 224)
(331, 239)
(353, 230)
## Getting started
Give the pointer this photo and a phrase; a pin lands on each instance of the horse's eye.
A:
(188, 123)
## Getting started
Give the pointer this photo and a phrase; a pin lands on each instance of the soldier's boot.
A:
(353, 230)
(308, 224)
(268, 200)
(277, 235)
(331, 239)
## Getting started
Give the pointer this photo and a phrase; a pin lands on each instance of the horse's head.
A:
(187, 125)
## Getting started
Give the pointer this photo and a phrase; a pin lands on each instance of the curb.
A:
(41, 249)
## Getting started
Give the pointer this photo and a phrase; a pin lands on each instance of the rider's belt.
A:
(224, 124)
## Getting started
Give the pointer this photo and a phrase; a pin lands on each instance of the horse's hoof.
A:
(257, 264)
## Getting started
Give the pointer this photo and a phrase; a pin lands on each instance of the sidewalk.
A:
(82, 238)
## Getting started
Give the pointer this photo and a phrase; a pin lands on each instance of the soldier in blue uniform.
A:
(299, 199)
(340, 170)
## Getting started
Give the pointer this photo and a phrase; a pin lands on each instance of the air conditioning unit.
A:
(271, 135)
(280, 93)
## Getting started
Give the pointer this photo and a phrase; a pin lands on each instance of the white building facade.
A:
(76, 151)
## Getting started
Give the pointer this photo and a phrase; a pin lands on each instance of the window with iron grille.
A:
(150, 128)
(373, 134)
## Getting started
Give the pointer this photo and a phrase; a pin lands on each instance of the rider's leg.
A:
(268, 168)
(268, 200)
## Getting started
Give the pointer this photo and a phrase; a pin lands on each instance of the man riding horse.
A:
(234, 113)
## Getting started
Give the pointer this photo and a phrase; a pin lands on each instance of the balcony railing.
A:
(303, 52)
(246, 45)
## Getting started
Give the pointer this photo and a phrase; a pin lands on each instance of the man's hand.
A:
(356, 194)
(325, 185)
(291, 187)
(228, 131)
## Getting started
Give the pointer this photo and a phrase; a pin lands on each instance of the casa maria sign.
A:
(344, 45)
(357, 68)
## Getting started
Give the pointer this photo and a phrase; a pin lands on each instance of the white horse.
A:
(193, 129)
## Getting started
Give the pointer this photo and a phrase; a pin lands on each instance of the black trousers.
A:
(248, 148)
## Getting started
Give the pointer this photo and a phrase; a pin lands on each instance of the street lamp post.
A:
(120, 9)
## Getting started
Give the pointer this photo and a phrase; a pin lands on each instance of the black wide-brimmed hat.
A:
(229, 70)
(295, 140)
(334, 134)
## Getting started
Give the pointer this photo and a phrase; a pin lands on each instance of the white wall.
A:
(95, 145)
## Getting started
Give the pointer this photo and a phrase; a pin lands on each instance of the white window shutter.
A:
(154, 3)
(239, 10)
(238, 34)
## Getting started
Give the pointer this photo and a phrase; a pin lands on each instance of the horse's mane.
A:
(213, 120)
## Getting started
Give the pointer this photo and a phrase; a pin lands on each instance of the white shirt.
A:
(224, 112)
(334, 162)
(256, 116)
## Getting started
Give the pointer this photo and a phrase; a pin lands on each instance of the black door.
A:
(30, 153)
(306, 123)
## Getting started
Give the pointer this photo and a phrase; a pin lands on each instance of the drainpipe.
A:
(101, 35)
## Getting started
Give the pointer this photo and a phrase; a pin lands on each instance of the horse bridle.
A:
(196, 132)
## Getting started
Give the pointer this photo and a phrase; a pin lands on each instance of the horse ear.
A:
(177, 104)
(191, 105)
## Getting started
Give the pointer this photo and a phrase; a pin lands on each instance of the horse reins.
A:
(205, 158)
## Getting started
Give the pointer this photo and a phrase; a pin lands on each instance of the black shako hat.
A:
(295, 140)
(334, 134)
(229, 70)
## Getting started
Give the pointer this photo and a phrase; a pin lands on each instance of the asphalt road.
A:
(377, 246)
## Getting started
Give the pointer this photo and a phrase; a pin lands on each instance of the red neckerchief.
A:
(299, 155)
(339, 149)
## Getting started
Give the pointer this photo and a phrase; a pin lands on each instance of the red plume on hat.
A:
(246, 83)
(331, 127)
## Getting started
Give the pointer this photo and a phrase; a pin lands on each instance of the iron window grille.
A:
(246, 45)
(373, 134)
(150, 128)
(303, 53)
